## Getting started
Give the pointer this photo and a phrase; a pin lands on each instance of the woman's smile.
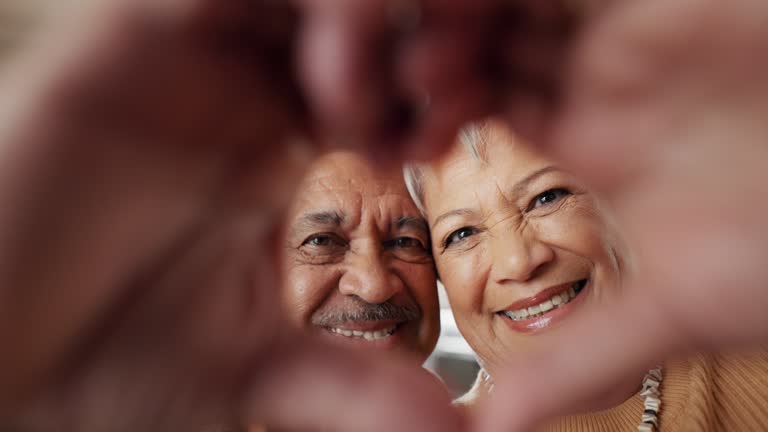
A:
(546, 308)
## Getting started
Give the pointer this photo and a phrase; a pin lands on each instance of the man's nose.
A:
(518, 255)
(369, 278)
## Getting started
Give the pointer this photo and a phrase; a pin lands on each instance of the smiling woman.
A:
(519, 243)
(522, 247)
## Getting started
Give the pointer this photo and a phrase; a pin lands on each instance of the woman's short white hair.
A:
(471, 139)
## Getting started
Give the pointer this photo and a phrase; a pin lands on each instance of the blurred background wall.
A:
(453, 360)
(20, 20)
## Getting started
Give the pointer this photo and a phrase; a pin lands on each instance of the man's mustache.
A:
(362, 311)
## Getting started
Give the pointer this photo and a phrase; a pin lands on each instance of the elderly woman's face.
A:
(519, 244)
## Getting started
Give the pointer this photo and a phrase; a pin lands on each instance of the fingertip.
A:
(580, 368)
(339, 70)
(443, 118)
(347, 391)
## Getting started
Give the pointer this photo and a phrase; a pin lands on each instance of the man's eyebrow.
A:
(321, 218)
(415, 222)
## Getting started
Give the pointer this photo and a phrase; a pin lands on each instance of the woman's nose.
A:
(518, 256)
(369, 278)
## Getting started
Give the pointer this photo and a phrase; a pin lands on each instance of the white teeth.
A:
(367, 335)
(546, 306)
(556, 300)
(553, 302)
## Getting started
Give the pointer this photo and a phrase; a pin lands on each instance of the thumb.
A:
(584, 361)
(310, 386)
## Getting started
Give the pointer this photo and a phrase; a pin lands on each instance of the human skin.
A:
(147, 158)
(656, 106)
(511, 230)
(374, 250)
(707, 75)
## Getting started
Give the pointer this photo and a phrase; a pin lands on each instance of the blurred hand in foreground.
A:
(147, 151)
(126, 218)
(666, 113)
(661, 106)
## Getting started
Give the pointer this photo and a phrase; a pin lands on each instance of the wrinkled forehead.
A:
(349, 183)
(487, 155)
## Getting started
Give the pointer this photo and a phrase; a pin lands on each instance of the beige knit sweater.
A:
(703, 393)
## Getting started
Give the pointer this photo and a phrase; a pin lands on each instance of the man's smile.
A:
(367, 335)
(376, 334)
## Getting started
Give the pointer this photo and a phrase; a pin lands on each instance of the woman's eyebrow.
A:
(522, 185)
(519, 188)
(457, 212)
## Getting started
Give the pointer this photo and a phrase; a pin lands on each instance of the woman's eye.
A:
(548, 198)
(459, 235)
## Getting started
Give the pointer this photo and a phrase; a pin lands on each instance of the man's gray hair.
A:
(471, 139)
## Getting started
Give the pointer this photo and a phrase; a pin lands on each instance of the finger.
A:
(442, 119)
(707, 238)
(345, 391)
(446, 72)
(516, 53)
(620, 90)
(348, 64)
(342, 67)
(586, 359)
(170, 352)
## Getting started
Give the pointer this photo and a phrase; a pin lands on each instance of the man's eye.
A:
(322, 240)
(408, 249)
(459, 235)
(407, 243)
(548, 198)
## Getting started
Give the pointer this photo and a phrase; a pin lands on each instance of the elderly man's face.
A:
(357, 260)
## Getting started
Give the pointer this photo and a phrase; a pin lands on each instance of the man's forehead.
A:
(342, 171)
(339, 186)
(349, 177)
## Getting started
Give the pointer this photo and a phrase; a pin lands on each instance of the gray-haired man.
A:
(357, 261)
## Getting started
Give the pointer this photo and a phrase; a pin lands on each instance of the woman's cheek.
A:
(576, 228)
(463, 277)
(582, 232)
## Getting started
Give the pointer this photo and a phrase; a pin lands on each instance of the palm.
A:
(142, 260)
(665, 115)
